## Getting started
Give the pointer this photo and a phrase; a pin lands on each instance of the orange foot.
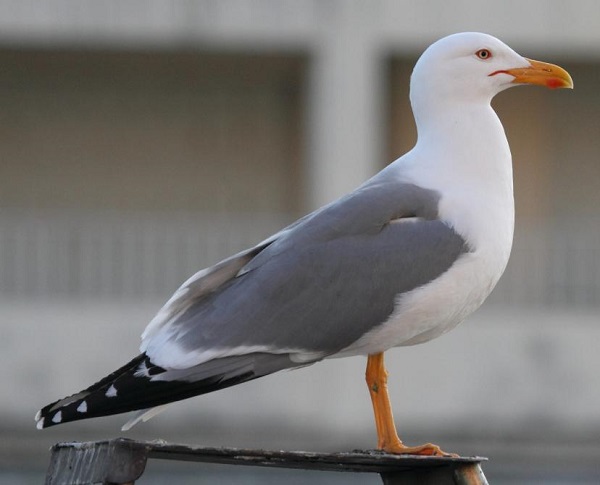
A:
(428, 449)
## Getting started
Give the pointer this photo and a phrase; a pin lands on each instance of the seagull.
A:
(399, 261)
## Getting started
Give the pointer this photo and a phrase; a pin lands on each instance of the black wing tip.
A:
(74, 407)
(132, 388)
(43, 415)
(43, 422)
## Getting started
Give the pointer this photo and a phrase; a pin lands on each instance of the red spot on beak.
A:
(554, 83)
(541, 74)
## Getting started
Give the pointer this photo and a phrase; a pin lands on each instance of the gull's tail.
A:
(141, 385)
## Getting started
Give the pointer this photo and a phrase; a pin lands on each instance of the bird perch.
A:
(122, 461)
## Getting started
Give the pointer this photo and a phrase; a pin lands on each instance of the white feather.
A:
(143, 416)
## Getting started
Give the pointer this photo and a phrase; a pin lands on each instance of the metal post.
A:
(468, 474)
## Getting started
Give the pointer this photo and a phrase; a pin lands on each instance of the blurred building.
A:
(141, 141)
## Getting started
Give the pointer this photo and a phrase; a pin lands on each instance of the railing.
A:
(553, 264)
(118, 255)
(148, 254)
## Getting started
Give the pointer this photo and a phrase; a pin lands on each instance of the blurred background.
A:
(143, 140)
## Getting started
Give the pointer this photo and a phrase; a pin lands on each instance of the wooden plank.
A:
(116, 461)
(123, 461)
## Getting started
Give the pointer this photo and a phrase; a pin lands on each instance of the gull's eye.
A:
(483, 54)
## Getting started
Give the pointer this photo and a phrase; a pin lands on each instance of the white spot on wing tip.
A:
(40, 424)
(57, 418)
(82, 408)
(142, 371)
(111, 392)
(38, 415)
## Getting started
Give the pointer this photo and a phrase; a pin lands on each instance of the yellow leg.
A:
(387, 437)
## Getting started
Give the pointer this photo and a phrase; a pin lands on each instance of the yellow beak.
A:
(541, 74)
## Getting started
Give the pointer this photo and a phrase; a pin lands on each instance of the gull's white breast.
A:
(474, 180)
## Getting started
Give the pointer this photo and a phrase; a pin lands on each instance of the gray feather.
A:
(322, 283)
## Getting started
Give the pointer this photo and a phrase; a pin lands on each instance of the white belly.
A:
(435, 308)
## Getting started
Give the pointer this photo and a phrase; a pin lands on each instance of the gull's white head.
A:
(474, 67)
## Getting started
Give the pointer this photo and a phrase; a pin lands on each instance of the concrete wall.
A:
(150, 131)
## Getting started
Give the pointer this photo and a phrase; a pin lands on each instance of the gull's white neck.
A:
(466, 144)
(462, 153)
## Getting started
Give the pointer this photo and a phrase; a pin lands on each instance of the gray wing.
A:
(315, 287)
